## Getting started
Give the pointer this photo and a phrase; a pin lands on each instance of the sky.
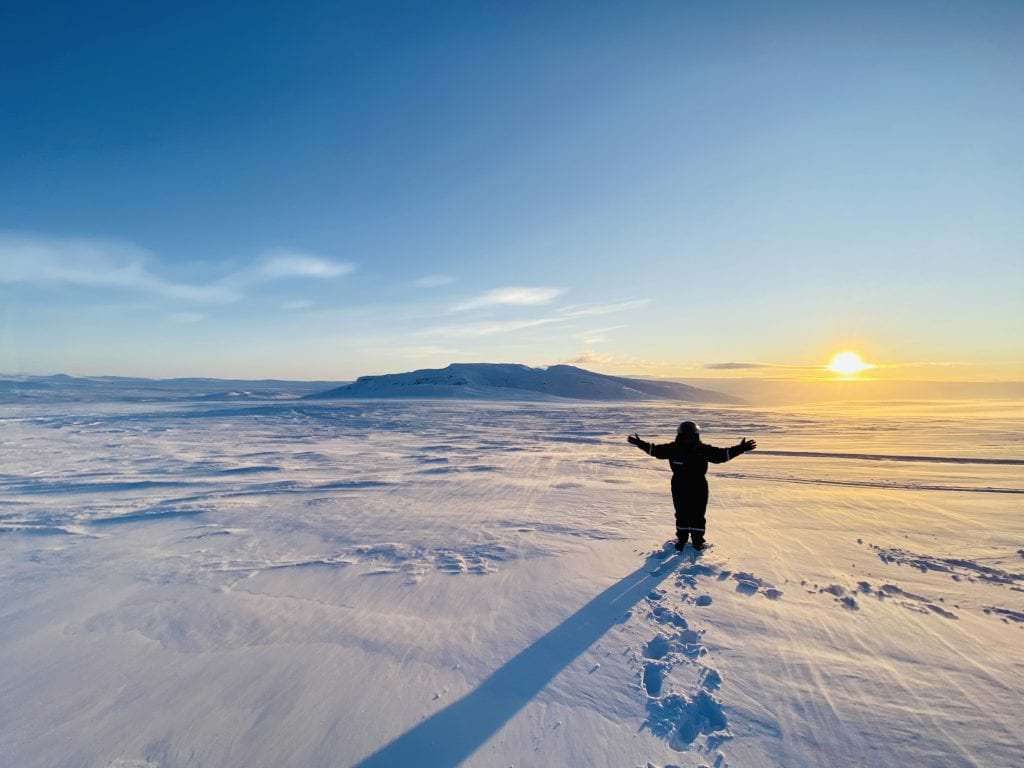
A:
(321, 191)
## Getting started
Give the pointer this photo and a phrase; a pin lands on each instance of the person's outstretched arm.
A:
(657, 451)
(722, 455)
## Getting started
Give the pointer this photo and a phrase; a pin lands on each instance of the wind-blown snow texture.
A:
(421, 583)
(508, 381)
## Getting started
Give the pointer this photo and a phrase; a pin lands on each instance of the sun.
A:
(848, 364)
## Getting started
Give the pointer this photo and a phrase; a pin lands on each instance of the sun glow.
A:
(848, 364)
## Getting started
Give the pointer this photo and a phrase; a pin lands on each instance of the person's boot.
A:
(681, 537)
(698, 541)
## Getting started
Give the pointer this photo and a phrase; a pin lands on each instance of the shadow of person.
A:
(449, 736)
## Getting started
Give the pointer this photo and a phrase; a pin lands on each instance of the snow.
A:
(329, 583)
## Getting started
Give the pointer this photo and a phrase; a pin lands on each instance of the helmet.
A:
(689, 428)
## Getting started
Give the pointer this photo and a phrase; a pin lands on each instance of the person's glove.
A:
(747, 445)
(633, 439)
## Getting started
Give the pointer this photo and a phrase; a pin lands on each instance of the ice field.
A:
(428, 583)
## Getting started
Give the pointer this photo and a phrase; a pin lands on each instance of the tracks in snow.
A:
(689, 717)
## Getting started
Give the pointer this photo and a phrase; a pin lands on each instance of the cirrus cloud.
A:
(592, 310)
(95, 262)
(284, 262)
(116, 264)
(734, 366)
(566, 316)
(518, 296)
(487, 328)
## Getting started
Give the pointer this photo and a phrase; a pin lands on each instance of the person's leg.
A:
(682, 526)
(698, 520)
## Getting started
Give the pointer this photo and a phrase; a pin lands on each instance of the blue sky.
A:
(321, 192)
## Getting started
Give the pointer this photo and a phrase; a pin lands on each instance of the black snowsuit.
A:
(689, 462)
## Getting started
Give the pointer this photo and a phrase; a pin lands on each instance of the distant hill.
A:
(507, 381)
(64, 388)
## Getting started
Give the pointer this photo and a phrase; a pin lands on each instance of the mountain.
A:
(507, 381)
(64, 388)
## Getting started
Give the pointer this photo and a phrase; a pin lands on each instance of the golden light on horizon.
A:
(848, 364)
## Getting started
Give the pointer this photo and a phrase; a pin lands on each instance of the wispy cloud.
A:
(433, 281)
(755, 366)
(512, 296)
(297, 304)
(487, 328)
(941, 364)
(592, 310)
(95, 263)
(187, 317)
(598, 335)
(108, 263)
(285, 262)
(606, 361)
(735, 366)
(589, 357)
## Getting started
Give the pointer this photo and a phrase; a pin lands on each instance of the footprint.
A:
(688, 576)
(680, 719)
(839, 592)
(746, 587)
(749, 584)
(654, 676)
(666, 615)
(710, 679)
(702, 600)
(688, 637)
(657, 648)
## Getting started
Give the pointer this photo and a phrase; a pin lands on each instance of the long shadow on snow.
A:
(450, 736)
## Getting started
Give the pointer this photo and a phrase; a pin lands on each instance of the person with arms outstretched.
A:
(689, 458)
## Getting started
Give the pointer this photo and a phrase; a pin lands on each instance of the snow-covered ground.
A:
(424, 583)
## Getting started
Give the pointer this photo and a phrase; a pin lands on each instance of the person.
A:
(689, 458)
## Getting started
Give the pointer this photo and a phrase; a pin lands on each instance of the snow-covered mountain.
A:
(90, 389)
(508, 381)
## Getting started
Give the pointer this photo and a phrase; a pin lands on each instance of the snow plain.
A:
(429, 583)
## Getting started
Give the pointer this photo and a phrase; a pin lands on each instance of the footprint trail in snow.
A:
(679, 680)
